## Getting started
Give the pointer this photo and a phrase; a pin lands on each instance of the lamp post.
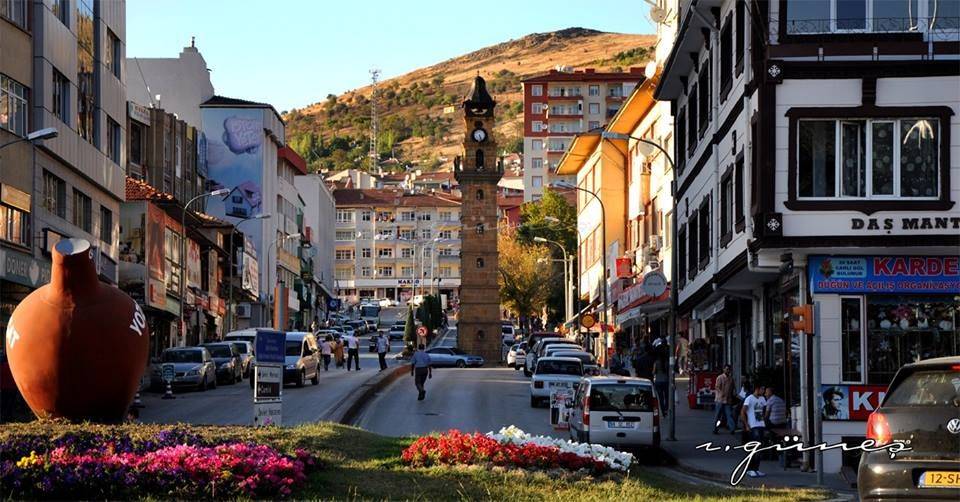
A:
(648, 149)
(273, 246)
(603, 238)
(567, 304)
(34, 137)
(230, 316)
(183, 247)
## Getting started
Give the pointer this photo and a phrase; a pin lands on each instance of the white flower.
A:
(615, 459)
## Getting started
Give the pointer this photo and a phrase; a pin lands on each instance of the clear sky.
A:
(291, 53)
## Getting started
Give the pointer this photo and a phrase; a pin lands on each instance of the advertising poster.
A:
(884, 274)
(250, 274)
(155, 241)
(561, 402)
(850, 402)
(132, 277)
(193, 264)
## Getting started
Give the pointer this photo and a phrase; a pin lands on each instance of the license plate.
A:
(566, 385)
(621, 425)
(940, 479)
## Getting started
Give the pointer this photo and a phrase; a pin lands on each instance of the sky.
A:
(291, 53)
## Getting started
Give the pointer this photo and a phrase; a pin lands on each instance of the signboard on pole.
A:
(266, 413)
(167, 372)
(270, 347)
(268, 377)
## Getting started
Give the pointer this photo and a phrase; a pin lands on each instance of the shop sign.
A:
(654, 283)
(906, 223)
(139, 113)
(624, 268)
(16, 198)
(221, 307)
(629, 295)
(23, 269)
(157, 294)
(884, 274)
(850, 402)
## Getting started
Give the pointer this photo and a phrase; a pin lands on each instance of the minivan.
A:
(616, 412)
(302, 359)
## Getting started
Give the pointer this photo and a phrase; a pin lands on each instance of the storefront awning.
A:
(652, 310)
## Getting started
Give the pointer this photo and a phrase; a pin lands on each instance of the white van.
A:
(616, 411)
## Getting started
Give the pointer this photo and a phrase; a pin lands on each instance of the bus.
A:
(370, 312)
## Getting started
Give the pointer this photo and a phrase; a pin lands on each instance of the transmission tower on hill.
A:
(374, 120)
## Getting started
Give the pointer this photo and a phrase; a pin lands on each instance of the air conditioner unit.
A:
(243, 311)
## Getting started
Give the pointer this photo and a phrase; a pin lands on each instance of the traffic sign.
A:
(588, 321)
(168, 372)
(270, 346)
(267, 413)
(267, 382)
(422, 331)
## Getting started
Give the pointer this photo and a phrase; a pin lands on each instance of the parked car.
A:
(508, 331)
(559, 347)
(192, 366)
(554, 372)
(243, 335)
(227, 358)
(246, 356)
(347, 330)
(360, 327)
(302, 359)
(371, 325)
(517, 355)
(537, 350)
(447, 356)
(921, 407)
(590, 366)
(396, 331)
(616, 411)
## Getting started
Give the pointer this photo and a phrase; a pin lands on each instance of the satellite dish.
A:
(658, 14)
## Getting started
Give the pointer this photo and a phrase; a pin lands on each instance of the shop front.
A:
(877, 313)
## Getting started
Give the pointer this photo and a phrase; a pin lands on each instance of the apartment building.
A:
(318, 220)
(559, 105)
(61, 67)
(178, 85)
(813, 144)
(394, 244)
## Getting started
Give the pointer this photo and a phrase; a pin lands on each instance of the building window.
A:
(593, 90)
(851, 326)
(741, 35)
(904, 329)
(344, 216)
(171, 253)
(14, 225)
(408, 216)
(61, 10)
(479, 194)
(106, 226)
(365, 215)
(61, 97)
(594, 108)
(536, 126)
(681, 153)
(692, 238)
(704, 99)
(366, 253)
(345, 235)
(681, 255)
(446, 234)
(536, 90)
(692, 120)
(825, 16)
(82, 211)
(593, 124)
(408, 234)
(726, 57)
(536, 108)
(480, 228)
(85, 83)
(426, 233)
(480, 262)
(385, 271)
(424, 216)
(537, 163)
(876, 159)
(705, 234)
(54, 195)
(406, 253)
(344, 273)
(136, 154)
(343, 254)
(13, 104)
(537, 145)
(536, 181)
(446, 216)
(726, 209)
(113, 141)
(366, 271)
(15, 11)
(738, 194)
(384, 252)
(111, 54)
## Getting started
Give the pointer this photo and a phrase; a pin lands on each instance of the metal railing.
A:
(939, 28)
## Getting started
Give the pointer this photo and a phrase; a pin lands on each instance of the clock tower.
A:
(478, 171)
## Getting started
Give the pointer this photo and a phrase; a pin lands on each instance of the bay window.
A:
(826, 16)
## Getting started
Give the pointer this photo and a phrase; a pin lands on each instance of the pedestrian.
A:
(326, 350)
(683, 348)
(723, 401)
(353, 351)
(752, 415)
(383, 346)
(338, 352)
(421, 369)
(644, 364)
(775, 412)
(661, 377)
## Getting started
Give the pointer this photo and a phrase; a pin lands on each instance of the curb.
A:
(349, 408)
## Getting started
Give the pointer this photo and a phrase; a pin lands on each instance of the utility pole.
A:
(374, 120)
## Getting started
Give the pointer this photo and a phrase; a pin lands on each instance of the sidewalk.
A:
(695, 427)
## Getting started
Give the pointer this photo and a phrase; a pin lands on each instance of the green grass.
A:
(359, 465)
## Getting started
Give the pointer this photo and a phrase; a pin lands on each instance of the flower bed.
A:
(172, 463)
(512, 448)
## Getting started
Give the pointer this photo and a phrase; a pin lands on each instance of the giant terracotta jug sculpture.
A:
(77, 347)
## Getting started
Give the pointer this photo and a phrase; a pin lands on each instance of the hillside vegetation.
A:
(419, 123)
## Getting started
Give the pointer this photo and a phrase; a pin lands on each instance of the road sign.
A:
(168, 372)
(270, 346)
(268, 382)
(588, 321)
(267, 413)
(422, 331)
(333, 304)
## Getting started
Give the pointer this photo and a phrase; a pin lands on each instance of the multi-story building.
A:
(61, 67)
(813, 150)
(394, 244)
(559, 105)
(318, 220)
(178, 85)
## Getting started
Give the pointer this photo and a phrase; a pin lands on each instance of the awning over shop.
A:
(653, 307)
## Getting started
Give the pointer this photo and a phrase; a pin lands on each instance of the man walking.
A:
(752, 415)
(420, 369)
(723, 400)
(383, 346)
(326, 350)
(353, 350)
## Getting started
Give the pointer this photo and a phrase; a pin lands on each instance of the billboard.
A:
(884, 274)
(193, 264)
(132, 277)
(155, 241)
(250, 278)
(850, 402)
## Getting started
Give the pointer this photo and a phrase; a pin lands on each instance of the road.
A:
(468, 399)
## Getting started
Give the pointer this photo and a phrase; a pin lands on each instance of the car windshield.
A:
(927, 388)
(620, 397)
(582, 356)
(182, 356)
(241, 347)
(459, 351)
(559, 368)
(219, 350)
(369, 311)
(293, 348)
(506, 330)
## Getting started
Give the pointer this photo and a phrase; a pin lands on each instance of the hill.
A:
(418, 124)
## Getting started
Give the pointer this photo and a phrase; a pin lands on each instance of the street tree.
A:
(410, 331)
(525, 276)
(534, 223)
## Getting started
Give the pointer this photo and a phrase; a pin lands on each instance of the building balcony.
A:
(564, 97)
(346, 224)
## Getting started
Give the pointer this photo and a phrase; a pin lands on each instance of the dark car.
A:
(922, 407)
(192, 366)
(228, 360)
(246, 357)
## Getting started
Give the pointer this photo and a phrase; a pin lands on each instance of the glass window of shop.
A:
(895, 330)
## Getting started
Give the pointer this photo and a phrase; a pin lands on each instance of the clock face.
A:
(479, 135)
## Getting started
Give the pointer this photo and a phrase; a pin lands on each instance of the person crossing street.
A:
(383, 346)
(421, 369)
(353, 351)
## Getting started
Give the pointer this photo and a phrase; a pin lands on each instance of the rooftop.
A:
(587, 75)
(383, 197)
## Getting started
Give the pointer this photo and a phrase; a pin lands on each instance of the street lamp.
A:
(567, 300)
(183, 247)
(34, 136)
(230, 317)
(272, 247)
(647, 148)
(603, 256)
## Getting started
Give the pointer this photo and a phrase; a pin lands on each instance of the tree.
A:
(525, 276)
(533, 224)
(410, 330)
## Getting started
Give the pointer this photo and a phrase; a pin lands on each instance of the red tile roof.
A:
(141, 190)
(388, 197)
(588, 75)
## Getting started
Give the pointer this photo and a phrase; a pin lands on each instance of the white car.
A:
(559, 347)
(590, 366)
(517, 355)
(537, 351)
(554, 372)
(616, 411)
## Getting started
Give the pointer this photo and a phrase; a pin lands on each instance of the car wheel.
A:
(526, 372)
(461, 364)
(213, 384)
(316, 377)
(203, 384)
(516, 368)
(301, 378)
(238, 378)
(533, 401)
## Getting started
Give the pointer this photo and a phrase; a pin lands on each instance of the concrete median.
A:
(348, 409)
